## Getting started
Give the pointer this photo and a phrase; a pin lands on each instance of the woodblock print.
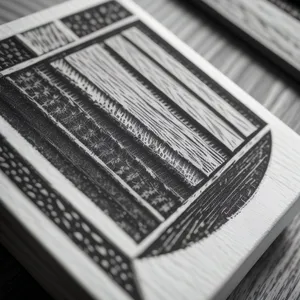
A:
(212, 83)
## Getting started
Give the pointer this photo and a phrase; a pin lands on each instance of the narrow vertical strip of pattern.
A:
(83, 234)
(130, 124)
(172, 65)
(46, 38)
(114, 201)
(12, 52)
(84, 131)
(104, 71)
(93, 19)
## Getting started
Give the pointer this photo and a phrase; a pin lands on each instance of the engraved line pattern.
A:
(118, 136)
(46, 38)
(59, 33)
(218, 203)
(176, 92)
(61, 213)
(12, 52)
(84, 129)
(203, 77)
(138, 129)
(129, 123)
(154, 167)
(101, 68)
(93, 19)
(190, 80)
(76, 166)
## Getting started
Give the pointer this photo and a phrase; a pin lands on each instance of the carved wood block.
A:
(131, 166)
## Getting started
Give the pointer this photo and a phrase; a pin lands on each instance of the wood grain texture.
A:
(174, 92)
(91, 138)
(259, 20)
(84, 23)
(66, 217)
(168, 62)
(47, 38)
(129, 122)
(233, 189)
(13, 52)
(79, 169)
(289, 6)
(269, 86)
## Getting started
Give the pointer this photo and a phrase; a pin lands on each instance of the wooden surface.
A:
(276, 274)
(257, 22)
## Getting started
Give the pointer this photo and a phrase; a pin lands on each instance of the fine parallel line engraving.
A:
(143, 246)
(174, 109)
(67, 218)
(203, 77)
(29, 60)
(46, 38)
(62, 27)
(85, 132)
(151, 71)
(100, 67)
(167, 61)
(78, 168)
(288, 6)
(234, 186)
(187, 171)
(67, 116)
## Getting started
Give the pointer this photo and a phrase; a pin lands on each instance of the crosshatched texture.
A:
(12, 52)
(93, 19)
